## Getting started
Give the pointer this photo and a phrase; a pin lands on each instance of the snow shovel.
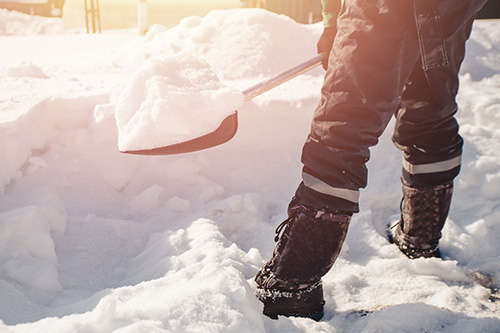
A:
(228, 127)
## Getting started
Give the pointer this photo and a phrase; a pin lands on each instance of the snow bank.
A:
(212, 297)
(27, 247)
(176, 95)
(236, 43)
(15, 23)
(92, 240)
(36, 127)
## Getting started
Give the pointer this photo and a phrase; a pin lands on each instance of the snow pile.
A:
(26, 70)
(172, 100)
(237, 44)
(92, 240)
(27, 246)
(176, 95)
(15, 23)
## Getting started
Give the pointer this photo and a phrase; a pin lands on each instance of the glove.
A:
(325, 44)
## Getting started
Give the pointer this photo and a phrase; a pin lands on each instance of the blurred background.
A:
(97, 15)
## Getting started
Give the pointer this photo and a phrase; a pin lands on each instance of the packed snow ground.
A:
(92, 240)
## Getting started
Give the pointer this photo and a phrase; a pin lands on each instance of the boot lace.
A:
(401, 203)
(292, 215)
(281, 227)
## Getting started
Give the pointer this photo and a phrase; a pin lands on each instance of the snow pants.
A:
(390, 58)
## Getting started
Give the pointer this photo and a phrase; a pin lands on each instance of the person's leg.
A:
(373, 54)
(427, 132)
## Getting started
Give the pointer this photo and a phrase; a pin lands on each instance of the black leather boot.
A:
(289, 284)
(423, 214)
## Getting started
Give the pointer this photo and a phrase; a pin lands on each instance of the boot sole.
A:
(305, 303)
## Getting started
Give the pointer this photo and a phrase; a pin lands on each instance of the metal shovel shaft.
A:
(275, 81)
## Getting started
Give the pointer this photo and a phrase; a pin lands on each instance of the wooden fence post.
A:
(92, 14)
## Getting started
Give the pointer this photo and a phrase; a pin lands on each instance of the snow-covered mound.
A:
(92, 240)
(237, 43)
(15, 23)
(172, 100)
(176, 94)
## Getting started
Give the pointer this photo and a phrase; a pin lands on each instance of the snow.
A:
(172, 100)
(15, 23)
(92, 240)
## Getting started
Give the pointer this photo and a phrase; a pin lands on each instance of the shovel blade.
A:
(227, 129)
(225, 132)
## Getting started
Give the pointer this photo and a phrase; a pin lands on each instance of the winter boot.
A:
(289, 284)
(423, 213)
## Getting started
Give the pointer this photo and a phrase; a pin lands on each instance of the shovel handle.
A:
(275, 81)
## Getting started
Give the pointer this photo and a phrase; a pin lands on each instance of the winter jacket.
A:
(331, 9)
